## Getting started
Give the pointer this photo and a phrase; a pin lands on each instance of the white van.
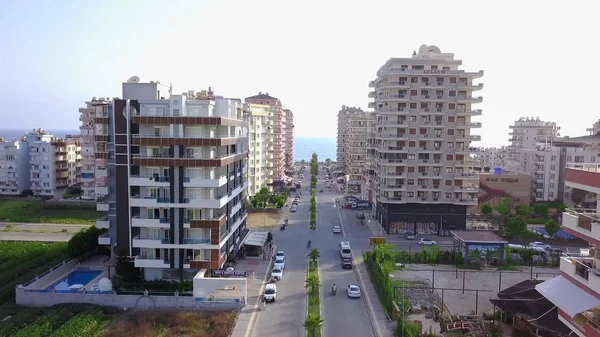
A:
(345, 250)
(270, 293)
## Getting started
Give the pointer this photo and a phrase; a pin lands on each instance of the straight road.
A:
(285, 316)
(42, 237)
(343, 316)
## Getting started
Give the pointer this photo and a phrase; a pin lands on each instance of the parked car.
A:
(270, 292)
(336, 229)
(346, 263)
(353, 291)
(540, 245)
(427, 242)
(277, 273)
(280, 262)
(294, 209)
(409, 236)
(279, 254)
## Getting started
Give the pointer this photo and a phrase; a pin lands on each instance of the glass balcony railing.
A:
(196, 241)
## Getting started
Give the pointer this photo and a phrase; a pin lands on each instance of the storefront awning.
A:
(256, 239)
(567, 296)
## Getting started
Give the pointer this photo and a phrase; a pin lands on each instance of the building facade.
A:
(176, 184)
(576, 292)
(495, 186)
(289, 139)
(490, 157)
(356, 150)
(423, 119)
(528, 133)
(14, 167)
(344, 115)
(277, 162)
(94, 156)
(259, 156)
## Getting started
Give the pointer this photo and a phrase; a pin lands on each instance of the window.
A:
(410, 181)
(413, 92)
(452, 79)
(451, 119)
(412, 143)
(413, 105)
(413, 118)
(410, 194)
(449, 169)
(450, 145)
(411, 156)
(448, 195)
(552, 167)
(452, 93)
(553, 158)
(448, 182)
(411, 169)
(551, 185)
(551, 195)
(552, 176)
(568, 158)
(451, 106)
(449, 157)
(450, 132)
(592, 159)
(414, 80)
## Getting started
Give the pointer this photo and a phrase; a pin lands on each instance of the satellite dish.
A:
(134, 79)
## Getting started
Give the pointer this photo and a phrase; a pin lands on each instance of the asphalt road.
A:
(284, 318)
(343, 316)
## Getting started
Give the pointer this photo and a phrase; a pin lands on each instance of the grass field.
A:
(20, 262)
(37, 212)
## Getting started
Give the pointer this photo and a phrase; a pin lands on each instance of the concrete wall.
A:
(226, 287)
(43, 298)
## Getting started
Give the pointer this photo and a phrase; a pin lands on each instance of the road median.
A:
(313, 322)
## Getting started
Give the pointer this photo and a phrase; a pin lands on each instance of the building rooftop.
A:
(261, 96)
(478, 236)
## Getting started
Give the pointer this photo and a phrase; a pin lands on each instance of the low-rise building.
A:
(495, 186)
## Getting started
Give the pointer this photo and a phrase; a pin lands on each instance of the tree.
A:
(126, 269)
(313, 323)
(312, 281)
(314, 255)
(524, 210)
(269, 237)
(516, 226)
(541, 209)
(327, 161)
(504, 211)
(551, 227)
(486, 209)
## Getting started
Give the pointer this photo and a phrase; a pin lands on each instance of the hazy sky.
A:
(313, 55)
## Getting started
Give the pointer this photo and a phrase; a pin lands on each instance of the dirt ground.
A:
(264, 220)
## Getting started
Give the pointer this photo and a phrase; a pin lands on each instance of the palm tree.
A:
(314, 255)
(312, 323)
(312, 281)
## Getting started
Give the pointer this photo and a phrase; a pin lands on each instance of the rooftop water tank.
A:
(498, 170)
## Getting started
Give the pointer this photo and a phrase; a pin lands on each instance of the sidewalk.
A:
(381, 324)
(247, 316)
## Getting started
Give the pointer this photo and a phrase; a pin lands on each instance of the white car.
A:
(270, 293)
(277, 273)
(280, 262)
(427, 242)
(337, 230)
(293, 209)
(540, 245)
(280, 253)
(353, 290)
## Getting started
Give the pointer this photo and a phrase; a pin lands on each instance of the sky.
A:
(313, 55)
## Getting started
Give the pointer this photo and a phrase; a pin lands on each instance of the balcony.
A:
(584, 270)
(395, 136)
(101, 189)
(582, 223)
(469, 86)
(468, 124)
(392, 162)
(372, 84)
(104, 239)
(391, 200)
(393, 111)
(392, 97)
(150, 181)
(102, 204)
(145, 241)
(466, 189)
(583, 176)
(144, 261)
(391, 71)
(197, 241)
(469, 112)
(188, 160)
(204, 182)
(468, 99)
(103, 223)
(466, 201)
(468, 138)
(465, 175)
(137, 221)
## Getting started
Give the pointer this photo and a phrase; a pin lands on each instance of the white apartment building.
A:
(344, 115)
(527, 133)
(14, 167)
(356, 150)
(260, 122)
(423, 119)
(490, 157)
(176, 185)
(94, 156)
(368, 169)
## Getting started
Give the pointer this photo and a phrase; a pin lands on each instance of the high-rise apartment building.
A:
(344, 115)
(490, 157)
(14, 167)
(261, 136)
(423, 120)
(277, 164)
(369, 182)
(94, 155)
(356, 150)
(176, 186)
(528, 133)
(576, 292)
(289, 138)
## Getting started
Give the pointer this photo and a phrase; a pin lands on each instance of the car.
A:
(280, 262)
(293, 209)
(337, 229)
(540, 245)
(347, 263)
(409, 236)
(296, 200)
(427, 242)
(277, 273)
(270, 294)
(360, 215)
(353, 291)
(280, 253)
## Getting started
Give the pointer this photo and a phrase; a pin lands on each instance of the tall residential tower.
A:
(423, 122)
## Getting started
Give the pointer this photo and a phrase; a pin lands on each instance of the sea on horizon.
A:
(304, 146)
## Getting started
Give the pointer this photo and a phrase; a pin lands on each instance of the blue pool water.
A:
(79, 276)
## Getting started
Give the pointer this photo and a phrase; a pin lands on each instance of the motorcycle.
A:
(321, 191)
(333, 291)
(282, 228)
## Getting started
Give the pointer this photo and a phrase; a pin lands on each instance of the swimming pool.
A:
(79, 276)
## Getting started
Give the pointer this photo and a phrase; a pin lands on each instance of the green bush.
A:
(411, 329)
(379, 267)
(83, 241)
